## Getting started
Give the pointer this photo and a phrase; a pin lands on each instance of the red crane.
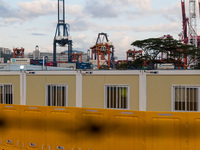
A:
(76, 57)
(133, 54)
(185, 37)
(199, 7)
(104, 50)
(185, 21)
(18, 52)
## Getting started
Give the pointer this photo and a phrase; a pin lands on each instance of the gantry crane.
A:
(102, 49)
(62, 33)
(18, 53)
(77, 57)
(133, 54)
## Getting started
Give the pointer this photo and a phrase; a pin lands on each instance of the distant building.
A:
(63, 56)
(30, 55)
(1, 60)
(36, 53)
(5, 50)
(1, 49)
(5, 54)
(38, 56)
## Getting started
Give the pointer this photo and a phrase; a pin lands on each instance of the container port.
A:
(77, 97)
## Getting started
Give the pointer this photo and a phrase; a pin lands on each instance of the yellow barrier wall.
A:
(126, 130)
(64, 128)
(33, 127)
(166, 131)
(93, 127)
(10, 133)
(61, 128)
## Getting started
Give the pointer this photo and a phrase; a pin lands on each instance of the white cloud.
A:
(5, 10)
(171, 13)
(45, 49)
(122, 42)
(115, 8)
(168, 28)
(30, 10)
(161, 27)
(37, 8)
(83, 41)
(12, 20)
(47, 7)
(100, 9)
(117, 27)
(80, 40)
(75, 10)
(79, 25)
(140, 4)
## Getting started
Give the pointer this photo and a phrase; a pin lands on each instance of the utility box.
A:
(67, 65)
(166, 66)
(23, 61)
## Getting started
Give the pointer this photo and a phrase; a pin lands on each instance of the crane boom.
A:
(199, 8)
(184, 19)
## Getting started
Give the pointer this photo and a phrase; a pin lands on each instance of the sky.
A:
(27, 23)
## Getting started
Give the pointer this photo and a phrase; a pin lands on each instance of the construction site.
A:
(73, 100)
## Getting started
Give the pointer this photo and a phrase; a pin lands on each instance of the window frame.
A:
(3, 84)
(117, 85)
(66, 90)
(185, 86)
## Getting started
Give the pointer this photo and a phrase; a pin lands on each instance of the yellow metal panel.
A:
(193, 131)
(159, 89)
(166, 131)
(61, 128)
(36, 88)
(93, 129)
(127, 130)
(44, 128)
(33, 127)
(2, 126)
(10, 127)
(93, 89)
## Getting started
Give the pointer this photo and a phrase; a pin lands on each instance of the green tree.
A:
(172, 50)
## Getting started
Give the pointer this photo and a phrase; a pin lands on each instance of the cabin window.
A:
(186, 98)
(6, 93)
(56, 95)
(117, 96)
